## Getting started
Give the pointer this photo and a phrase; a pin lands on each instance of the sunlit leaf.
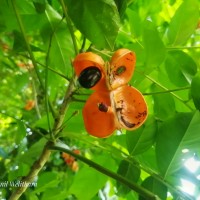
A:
(57, 41)
(87, 177)
(176, 134)
(180, 68)
(184, 22)
(21, 131)
(47, 180)
(135, 22)
(31, 154)
(153, 46)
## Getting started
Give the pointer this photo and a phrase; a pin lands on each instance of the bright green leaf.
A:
(47, 180)
(21, 131)
(184, 22)
(55, 193)
(86, 183)
(32, 153)
(101, 17)
(174, 135)
(153, 46)
(180, 68)
(57, 41)
(135, 22)
(143, 138)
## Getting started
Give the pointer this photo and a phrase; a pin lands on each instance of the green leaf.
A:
(128, 171)
(174, 135)
(164, 105)
(121, 6)
(155, 187)
(101, 17)
(195, 86)
(184, 22)
(153, 46)
(32, 153)
(20, 171)
(21, 131)
(135, 22)
(180, 68)
(40, 5)
(143, 138)
(54, 193)
(19, 44)
(47, 180)
(30, 19)
(57, 41)
(148, 159)
(87, 183)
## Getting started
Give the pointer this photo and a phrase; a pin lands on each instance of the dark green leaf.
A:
(101, 17)
(153, 46)
(174, 135)
(155, 186)
(128, 171)
(195, 87)
(184, 22)
(20, 44)
(143, 138)
(40, 5)
(180, 68)
(121, 6)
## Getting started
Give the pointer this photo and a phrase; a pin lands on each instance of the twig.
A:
(167, 91)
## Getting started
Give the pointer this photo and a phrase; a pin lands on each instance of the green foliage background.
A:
(38, 41)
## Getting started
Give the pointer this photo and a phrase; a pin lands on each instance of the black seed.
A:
(89, 77)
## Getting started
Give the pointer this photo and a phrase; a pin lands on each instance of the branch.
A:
(58, 120)
(142, 191)
(38, 165)
(35, 169)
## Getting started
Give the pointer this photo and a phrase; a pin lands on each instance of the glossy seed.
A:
(89, 77)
